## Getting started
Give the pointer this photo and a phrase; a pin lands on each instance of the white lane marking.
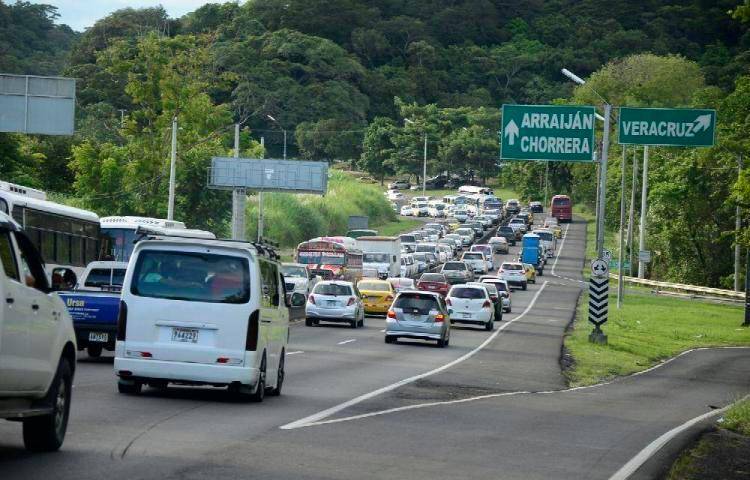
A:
(347, 341)
(641, 457)
(295, 352)
(562, 244)
(317, 417)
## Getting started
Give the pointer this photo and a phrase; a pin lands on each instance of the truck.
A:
(532, 251)
(94, 304)
(381, 256)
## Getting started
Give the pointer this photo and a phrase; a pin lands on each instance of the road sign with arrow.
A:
(547, 132)
(682, 127)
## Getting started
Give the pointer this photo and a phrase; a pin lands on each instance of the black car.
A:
(438, 181)
(525, 217)
(508, 233)
(536, 207)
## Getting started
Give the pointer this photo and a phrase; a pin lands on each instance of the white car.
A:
(203, 312)
(471, 304)
(514, 274)
(499, 244)
(407, 211)
(461, 214)
(476, 261)
(421, 209)
(408, 266)
(37, 344)
(335, 301)
(467, 235)
(297, 278)
(518, 222)
(503, 289)
(394, 195)
(436, 210)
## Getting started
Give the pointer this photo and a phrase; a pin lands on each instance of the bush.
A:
(290, 219)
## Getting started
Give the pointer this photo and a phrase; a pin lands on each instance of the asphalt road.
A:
(492, 405)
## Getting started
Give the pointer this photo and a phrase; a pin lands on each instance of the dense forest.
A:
(341, 76)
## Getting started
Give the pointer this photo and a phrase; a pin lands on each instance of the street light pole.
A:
(284, 130)
(603, 180)
(172, 170)
(424, 167)
(238, 196)
(644, 204)
(631, 218)
(620, 289)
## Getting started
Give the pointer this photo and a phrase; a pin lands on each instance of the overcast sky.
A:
(80, 14)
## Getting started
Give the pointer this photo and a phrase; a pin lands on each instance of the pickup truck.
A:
(37, 344)
(94, 304)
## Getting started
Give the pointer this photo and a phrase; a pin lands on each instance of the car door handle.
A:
(265, 321)
(35, 306)
(10, 300)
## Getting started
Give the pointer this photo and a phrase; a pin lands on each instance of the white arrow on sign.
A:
(599, 268)
(511, 131)
(702, 123)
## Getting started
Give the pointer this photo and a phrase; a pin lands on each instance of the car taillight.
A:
(251, 339)
(487, 304)
(439, 318)
(311, 299)
(122, 321)
(351, 302)
(493, 297)
(391, 314)
(448, 302)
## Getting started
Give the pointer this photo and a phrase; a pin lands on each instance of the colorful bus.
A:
(332, 258)
(562, 208)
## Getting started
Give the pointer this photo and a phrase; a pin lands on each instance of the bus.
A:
(66, 237)
(332, 258)
(474, 190)
(119, 234)
(562, 208)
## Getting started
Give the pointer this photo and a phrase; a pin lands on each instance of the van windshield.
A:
(194, 277)
(101, 277)
(375, 258)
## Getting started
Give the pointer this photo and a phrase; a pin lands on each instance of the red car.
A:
(433, 282)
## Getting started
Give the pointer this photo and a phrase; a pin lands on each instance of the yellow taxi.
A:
(530, 272)
(555, 227)
(377, 295)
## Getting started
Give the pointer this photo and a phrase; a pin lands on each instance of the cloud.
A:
(80, 14)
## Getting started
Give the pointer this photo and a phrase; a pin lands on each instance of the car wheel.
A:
(260, 389)
(46, 433)
(489, 326)
(523, 287)
(129, 388)
(94, 351)
(308, 322)
(441, 343)
(390, 339)
(276, 391)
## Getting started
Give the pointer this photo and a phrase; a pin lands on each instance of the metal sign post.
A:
(598, 299)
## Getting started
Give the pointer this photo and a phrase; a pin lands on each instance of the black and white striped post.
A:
(598, 299)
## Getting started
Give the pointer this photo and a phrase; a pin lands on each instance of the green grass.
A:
(737, 417)
(397, 227)
(648, 329)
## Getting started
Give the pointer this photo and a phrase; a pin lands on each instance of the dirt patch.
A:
(717, 455)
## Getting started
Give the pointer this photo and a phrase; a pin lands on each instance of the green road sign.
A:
(681, 127)
(547, 132)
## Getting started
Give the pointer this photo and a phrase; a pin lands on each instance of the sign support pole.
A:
(172, 170)
(260, 194)
(644, 206)
(620, 289)
(737, 228)
(238, 197)
(603, 181)
(746, 323)
(631, 219)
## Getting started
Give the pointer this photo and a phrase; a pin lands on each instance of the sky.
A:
(79, 14)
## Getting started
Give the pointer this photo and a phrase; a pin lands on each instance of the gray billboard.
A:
(268, 175)
(41, 105)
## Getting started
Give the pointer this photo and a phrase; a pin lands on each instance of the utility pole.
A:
(424, 167)
(598, 185)
(546, 183)
(620, 289)
(603, 182)
(737, 228)
(644, 206)
(122, 116)
(631, 220)
(238, 197)
(284, 130)
(172, 170)
(260, 196)
(746, 323)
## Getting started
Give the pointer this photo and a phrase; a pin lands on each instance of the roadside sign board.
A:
(547, 132)
(606, 255)
(644, 256)
(268, 175)
(599, 268)
(37, 105)
(680, 127)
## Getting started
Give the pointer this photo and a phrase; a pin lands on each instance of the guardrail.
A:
(681, 287)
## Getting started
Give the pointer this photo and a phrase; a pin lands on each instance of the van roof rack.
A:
(264, 247)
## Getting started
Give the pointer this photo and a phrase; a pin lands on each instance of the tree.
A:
(378, 148)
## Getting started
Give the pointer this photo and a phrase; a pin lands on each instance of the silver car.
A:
(335, 301)
(457, 272)
(502, 288)
(419, 315)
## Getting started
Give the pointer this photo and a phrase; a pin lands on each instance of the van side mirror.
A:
(297, 300)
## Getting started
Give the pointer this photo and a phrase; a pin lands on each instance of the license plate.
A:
(187, 335)
(467, 315)
(98, 337)
(331, 303)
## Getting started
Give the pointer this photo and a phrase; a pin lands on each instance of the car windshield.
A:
(454, 266)
(480, 248)
(545, 236)
(512, 266)
(416, 303)
(465, 231)
(100, 277)
(498, 285)
(195, 277)
(294, 271)
(473, 256)
(432, 277)
(408, 239)
(468, 293)
(425, 247)
(374, 286)
(333, 289)
(375, 258)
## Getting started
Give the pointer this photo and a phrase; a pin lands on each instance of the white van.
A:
(202, 312)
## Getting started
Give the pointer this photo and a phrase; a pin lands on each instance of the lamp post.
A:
(424, 165)
(283, 130)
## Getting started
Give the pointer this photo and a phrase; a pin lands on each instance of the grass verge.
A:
(737, 418)
(398, 226)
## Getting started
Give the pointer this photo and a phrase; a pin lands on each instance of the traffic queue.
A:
(440, 274)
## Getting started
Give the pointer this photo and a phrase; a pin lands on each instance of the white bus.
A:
(66, 237)
(119, 234)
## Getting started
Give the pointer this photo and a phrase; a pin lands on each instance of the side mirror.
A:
(297, 299)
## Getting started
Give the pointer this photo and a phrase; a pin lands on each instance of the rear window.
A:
(100, 277)
(424, 247)
(512, 266)
(561, 202)
(414, 302)
(194, 277)
(469, 293)
(373, 286)
(432, 277)
(454, 266)
(465, 231)
(498, 285)
(473, 256)
(333, 289)
(408, 239)
(506, 230)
